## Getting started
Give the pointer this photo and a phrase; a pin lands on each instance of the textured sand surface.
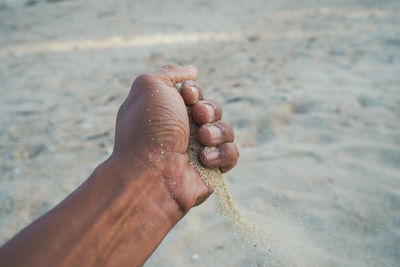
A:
(310, 87)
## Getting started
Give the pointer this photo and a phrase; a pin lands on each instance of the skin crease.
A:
(121, 213)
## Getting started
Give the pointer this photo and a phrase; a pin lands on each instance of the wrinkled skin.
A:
(153, 131)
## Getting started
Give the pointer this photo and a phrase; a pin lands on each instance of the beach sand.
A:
(311, 89)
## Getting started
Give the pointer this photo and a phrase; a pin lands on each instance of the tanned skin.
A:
(122, 212)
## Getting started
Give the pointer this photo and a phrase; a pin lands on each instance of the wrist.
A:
(141, 183)
(139, 212)
(169, 177)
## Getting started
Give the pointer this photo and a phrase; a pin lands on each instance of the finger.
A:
(206, 111)
(191, 92)
(225, 157)
(173, 74)
(215, 133)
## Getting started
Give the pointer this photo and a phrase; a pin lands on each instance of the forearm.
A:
(123, 211)
(112, 219)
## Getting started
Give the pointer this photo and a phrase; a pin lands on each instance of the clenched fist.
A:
(153, 132)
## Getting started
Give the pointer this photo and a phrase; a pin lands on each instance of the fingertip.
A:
(229, 154)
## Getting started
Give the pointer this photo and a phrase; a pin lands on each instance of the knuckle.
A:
(233, 164)
(122, 109)
(235, 154)
(213, 103)
(225, 127)
(236, 158)
(216, 107)
(229, 152)
(144, 79)
(222, 124)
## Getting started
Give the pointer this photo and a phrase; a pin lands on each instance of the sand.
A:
(246, 229)
(310, 87)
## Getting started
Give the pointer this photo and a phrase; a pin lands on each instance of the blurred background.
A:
(311, 88)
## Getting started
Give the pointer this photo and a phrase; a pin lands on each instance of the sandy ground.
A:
(310, 87)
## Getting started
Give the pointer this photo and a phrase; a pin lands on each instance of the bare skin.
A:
(121, 213)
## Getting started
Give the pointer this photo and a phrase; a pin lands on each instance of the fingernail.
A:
(212, 155)
(195, 93)
(210, 112)
(214, 132)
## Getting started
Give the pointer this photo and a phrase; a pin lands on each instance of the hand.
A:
(121, 213)
(152, 132)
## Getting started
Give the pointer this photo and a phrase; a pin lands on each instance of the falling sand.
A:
(214, 180)
(271, 238)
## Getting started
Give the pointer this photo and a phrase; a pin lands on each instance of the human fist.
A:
(152, 132)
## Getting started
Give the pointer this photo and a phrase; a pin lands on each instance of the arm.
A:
(121, 213)
(113, 219)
